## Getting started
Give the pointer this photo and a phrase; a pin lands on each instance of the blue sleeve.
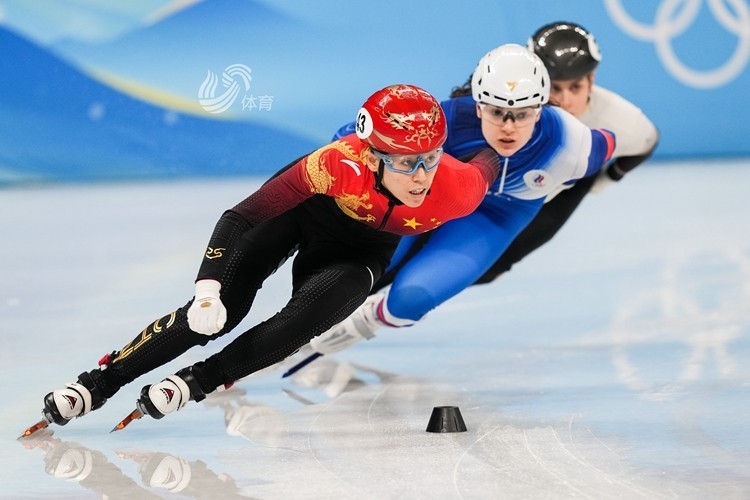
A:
(345, 130)
(602, 147)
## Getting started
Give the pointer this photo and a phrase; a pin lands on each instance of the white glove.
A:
(207, 314)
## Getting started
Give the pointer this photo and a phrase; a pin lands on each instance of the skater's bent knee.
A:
(410, 302)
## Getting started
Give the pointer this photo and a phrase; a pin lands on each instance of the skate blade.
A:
(42, 424)
(291, 371)
(134, 415)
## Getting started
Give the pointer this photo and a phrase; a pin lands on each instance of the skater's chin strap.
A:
(381, 188)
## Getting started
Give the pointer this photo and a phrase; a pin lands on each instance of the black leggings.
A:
(332, 275)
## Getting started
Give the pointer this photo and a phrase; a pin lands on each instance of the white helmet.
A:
(510, 76)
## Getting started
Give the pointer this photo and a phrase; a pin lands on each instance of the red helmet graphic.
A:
(402, 119)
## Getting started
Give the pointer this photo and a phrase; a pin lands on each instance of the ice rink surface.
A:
(612, 363)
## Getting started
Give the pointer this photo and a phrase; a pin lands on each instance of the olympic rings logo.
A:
(671, 22)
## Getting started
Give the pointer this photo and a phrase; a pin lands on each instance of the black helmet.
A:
(568, 50)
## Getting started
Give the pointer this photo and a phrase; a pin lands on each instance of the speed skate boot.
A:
(75, 400)
(171, 394)
(360, 325)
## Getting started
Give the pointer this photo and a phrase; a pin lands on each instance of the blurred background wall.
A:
(105, 90)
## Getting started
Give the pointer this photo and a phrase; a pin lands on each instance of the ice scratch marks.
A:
(323, 464)
(374, 400)
(562, 479)
(463, 455)
(554, 460)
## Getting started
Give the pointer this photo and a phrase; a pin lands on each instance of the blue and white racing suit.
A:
(561, 150)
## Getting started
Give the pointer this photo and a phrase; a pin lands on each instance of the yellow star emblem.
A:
(412, 223)
(511, 85)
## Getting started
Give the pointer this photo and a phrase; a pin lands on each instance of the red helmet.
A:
(402, 119)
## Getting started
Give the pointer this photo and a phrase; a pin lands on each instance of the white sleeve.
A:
(635, 133)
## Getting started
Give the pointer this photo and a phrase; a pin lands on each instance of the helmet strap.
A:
(381, 188)
(379, 175)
